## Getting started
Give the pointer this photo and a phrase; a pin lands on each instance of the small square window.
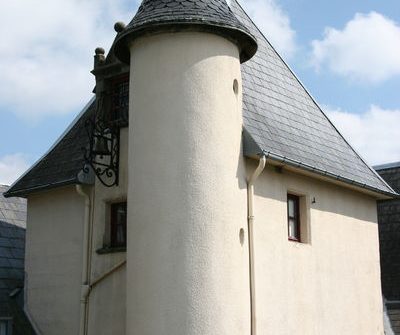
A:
(118, 225)
(293, 214)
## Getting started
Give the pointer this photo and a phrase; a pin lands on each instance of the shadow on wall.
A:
(323, 196)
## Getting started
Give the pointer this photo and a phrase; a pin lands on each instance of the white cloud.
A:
(374, 134)
(274, 23)
(12, 167)
(366, 49)
(46, 49)
(46, 52)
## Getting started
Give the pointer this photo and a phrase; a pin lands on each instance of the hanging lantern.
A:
(102, 154)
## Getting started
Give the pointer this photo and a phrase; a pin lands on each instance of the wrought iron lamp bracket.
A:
(102, 154)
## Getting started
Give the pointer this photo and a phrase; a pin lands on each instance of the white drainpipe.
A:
(250, 204)
(85, 288)
(87, 285)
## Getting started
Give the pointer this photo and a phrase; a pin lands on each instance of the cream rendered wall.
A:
(187, 264)
(330, 286)
(107, 302)
(187, 272)
(53, 260)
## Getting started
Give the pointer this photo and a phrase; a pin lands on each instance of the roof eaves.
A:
(251, 151)
(291, 162)
(24, 192)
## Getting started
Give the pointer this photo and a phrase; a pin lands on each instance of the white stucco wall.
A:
(329, 286)
(107, 303)
(187, 270)
(53, 260)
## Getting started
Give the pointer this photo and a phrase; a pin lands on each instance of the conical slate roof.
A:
(212, 16)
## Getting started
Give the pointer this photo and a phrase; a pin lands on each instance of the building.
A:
(217, 199)
(389, 239)
(12, 251)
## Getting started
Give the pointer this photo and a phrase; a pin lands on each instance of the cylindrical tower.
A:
(187, 266)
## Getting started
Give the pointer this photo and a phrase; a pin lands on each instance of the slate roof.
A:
(210, 15)
(12, 254)
(12, 211)
(389, 235)
(12, 243)
(62, 164)
(387, 166)
(281, 120)
(391, 174)
(389, 244)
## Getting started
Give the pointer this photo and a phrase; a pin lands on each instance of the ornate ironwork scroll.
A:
(102, 154)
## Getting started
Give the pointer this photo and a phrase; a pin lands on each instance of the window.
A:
(118, 225)
(293, 213)
(5, 326)
(120, 99)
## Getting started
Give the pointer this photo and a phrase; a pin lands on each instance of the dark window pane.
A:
(118, 224)
(120, 100)
(293, 203)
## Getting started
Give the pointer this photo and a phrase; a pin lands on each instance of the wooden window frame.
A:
(114, 225)
(296, 218)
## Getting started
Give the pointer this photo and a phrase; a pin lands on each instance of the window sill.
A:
(290, 239)
(110, 250)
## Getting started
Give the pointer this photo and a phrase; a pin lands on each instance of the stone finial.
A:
(99, 57)
(99, 51)
(119, 27)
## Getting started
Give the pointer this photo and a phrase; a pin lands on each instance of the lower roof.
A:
(393, 165)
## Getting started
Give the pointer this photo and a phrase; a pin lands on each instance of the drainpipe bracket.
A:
(85, 290)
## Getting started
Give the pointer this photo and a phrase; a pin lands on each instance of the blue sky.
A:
(347, 53)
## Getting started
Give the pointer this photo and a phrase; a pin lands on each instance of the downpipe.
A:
(250, 221)
(85, 288)
(87, 285)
